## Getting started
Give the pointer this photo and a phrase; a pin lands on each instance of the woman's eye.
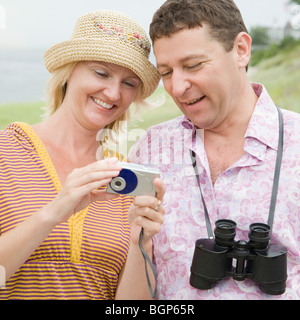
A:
(129, 84)
(101, 74)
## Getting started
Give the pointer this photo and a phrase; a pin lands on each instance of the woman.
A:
(62, 235)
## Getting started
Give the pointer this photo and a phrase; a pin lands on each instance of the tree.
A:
(260, 36)
(295, 1)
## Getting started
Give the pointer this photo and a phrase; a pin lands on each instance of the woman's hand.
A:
(148, 213)
(82, 188)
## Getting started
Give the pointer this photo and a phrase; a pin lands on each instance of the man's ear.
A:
(242, 45)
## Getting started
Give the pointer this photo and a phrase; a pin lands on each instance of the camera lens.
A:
(125, 183)
(259, 233)
(118, 184)
(225, 230)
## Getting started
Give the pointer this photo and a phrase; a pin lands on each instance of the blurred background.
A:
(28, 28)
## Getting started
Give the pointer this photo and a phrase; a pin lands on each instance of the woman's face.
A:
(98, 93)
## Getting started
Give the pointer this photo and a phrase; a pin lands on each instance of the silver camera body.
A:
(134, 180)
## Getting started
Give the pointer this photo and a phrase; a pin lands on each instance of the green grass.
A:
(280, 73)
(25, 112)
(281, 76)
(148, 116)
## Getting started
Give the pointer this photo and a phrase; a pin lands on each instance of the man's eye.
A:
(165, 74)
(194, 66)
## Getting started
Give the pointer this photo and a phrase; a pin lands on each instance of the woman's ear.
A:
(243, 43)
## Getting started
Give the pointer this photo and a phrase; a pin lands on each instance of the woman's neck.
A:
(69, 144)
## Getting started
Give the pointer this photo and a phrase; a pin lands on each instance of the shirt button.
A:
(255, 143)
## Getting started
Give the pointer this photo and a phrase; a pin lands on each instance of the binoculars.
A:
(216, 259)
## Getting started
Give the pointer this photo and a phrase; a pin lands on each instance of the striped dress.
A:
(81, 258)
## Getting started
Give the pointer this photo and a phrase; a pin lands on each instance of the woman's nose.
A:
(113, 92)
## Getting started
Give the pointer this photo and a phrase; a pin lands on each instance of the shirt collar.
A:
(264, 125)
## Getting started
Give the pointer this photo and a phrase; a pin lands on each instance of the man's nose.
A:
(180, 84)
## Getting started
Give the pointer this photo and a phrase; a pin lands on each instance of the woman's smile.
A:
(103, 104)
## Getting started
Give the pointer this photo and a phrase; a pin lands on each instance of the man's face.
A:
(202, 78)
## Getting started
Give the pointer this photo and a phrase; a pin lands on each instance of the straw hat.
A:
(108, 36)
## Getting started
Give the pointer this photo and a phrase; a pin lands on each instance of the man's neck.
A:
(225, 145)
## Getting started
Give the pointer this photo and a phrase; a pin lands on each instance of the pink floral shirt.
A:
(242, 193)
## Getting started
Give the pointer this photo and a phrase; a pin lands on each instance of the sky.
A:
(41, 23)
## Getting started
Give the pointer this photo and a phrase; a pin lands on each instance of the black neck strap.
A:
(275, 183)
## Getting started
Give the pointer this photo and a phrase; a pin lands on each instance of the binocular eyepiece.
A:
(215, 259)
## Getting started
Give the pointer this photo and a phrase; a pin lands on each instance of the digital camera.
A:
(134, 180)
(256, 259)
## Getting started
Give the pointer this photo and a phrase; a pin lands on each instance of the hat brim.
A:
(95, 50)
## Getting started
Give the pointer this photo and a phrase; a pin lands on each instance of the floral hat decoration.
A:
(108, 36)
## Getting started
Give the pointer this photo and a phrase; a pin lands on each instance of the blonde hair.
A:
(57, 88)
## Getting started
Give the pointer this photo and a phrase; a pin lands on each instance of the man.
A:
(231, 126)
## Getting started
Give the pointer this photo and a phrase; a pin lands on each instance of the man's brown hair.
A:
(222, 16)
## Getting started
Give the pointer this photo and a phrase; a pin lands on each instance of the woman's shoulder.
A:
(15, 134)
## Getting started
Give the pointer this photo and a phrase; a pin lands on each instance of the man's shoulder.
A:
(291, 119)
(291, 129)
(175, 123)
(290, 115)
(151, 139)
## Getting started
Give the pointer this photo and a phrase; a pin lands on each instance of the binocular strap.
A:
(275, 183)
